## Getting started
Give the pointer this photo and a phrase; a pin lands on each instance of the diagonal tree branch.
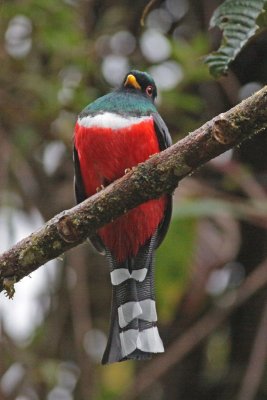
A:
(158, 175)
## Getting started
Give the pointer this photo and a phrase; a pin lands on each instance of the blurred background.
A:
(55, 58)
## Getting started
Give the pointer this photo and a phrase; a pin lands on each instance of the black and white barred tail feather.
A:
(133, 331)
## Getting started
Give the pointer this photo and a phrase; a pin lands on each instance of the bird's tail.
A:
(133, 328)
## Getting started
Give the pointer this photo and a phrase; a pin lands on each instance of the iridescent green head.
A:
(138, 80)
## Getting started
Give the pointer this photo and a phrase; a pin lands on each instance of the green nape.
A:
(121, 102)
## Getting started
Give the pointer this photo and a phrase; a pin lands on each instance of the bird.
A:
(112, 135)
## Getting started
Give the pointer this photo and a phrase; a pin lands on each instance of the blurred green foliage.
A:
(41, 92)
(173, 261)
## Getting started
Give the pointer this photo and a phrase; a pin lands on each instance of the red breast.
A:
(104, 155)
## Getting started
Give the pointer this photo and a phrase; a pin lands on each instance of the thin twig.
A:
(146, 10)
(256, 365)
(81, 319)
(243, 177)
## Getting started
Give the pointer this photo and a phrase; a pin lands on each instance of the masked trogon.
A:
(113, 134)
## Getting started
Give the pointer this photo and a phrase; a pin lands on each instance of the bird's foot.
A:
(99, 188)
(129, 169)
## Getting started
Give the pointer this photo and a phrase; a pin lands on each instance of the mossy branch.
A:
(158, 175)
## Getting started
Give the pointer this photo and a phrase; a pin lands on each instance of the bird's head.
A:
(141, 81)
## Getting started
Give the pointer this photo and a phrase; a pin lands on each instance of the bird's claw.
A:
(99, 188)
(129, 169)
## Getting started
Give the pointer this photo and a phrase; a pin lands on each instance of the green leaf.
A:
(239, 20)
(209, 207)
(173, 260)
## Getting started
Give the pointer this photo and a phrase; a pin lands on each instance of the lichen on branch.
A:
(160, 174)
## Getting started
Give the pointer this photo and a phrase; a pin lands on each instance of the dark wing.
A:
(78, 182)
(162, 132)
(165, 141)
(81, 196)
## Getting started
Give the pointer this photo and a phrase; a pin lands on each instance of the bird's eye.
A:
(149, 90)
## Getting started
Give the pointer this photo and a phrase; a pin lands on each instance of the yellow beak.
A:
(131, 81)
